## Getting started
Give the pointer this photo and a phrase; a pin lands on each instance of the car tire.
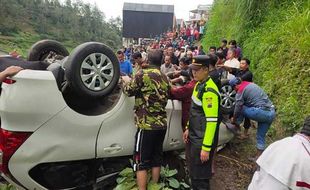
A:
(228, 98)
(92, 70)
(40, 50)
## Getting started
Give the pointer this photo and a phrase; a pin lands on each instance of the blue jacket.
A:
(126, 67)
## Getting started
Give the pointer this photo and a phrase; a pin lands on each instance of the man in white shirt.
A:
(232, 62)
(285, 164)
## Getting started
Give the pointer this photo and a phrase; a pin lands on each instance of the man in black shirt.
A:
(243, 72)
(213, 72)
(174, 59)
(223, 48)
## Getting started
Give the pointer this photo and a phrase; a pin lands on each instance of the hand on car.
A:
(12, 70)
(204, 156)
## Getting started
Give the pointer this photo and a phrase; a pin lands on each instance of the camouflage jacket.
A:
(150, 88)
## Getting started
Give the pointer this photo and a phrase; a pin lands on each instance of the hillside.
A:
(275, 36)
(24, 22)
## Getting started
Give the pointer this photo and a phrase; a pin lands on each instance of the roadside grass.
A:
(275, 36)
(22, 42)
(7, 187)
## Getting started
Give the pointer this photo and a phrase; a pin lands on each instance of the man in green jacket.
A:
(202, 131)
(150, 88)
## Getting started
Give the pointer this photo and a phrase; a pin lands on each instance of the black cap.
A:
(200, 61)
(306, 127)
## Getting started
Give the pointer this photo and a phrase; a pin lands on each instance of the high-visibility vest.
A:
(204, 114)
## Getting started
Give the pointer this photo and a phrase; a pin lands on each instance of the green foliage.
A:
(127, 180)
(275, 36)
(20, 42)
(70, 23)
(7, 187)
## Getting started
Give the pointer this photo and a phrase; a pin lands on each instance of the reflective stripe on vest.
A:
(211, 119)
(196, 100)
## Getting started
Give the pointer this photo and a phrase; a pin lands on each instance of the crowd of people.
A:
(155, 72)
(162, 70)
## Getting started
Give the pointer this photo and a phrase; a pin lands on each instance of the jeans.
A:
(264, 118)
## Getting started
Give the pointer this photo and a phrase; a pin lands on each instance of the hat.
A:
(200, 61)
(235, 81)
(306, 127)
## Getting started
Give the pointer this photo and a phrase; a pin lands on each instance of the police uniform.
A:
(203, 126)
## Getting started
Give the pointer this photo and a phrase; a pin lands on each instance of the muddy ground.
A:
(233, 169)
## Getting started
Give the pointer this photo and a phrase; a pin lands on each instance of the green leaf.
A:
(162, 171)
(131, 162)
(120, 180)
(153, 186)
(167, 188)
(171, 173)
(126, 186)
(7, 187)
(173, 183)
(184, 185)
(162, 185)
(127, 172)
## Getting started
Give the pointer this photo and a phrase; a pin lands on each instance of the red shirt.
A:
(188, 32)
(184, 94)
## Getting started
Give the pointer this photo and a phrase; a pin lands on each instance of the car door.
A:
(174, 140)
(117, 131)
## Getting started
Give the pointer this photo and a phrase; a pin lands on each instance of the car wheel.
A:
(40, 50)
(92, 70)
(228, 98)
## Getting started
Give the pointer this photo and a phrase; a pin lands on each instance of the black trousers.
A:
(200, 184)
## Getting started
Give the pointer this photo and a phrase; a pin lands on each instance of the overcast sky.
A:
(113, 8)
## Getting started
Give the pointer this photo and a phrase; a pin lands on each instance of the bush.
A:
(275, 36)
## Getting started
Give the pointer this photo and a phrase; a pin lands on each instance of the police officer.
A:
(202, 131)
